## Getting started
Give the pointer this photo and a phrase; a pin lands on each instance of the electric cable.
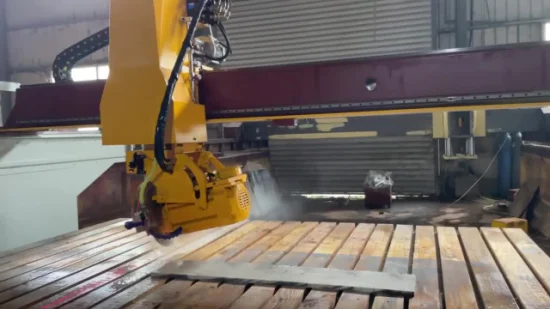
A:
(227, 45)
(166, 103)
(482, 175)
(68, 58)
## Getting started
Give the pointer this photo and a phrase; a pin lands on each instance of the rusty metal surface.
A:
(424, 80)
(110, 196)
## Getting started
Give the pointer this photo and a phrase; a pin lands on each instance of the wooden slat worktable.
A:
(106, 266)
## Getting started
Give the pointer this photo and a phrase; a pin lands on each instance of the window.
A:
(83, 74)
(103, 72)
(547, 31)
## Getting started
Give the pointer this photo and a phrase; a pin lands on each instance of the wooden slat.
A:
(66, 256)
(37, 254)
(397, 262)
(133, 292)
(65, 238)
(523, 282)
(226, 294)
(275, 244)
(266, 243)
(175, 289)
(323, 254)
(459, 292)
(320, 257)
(285, 245)
(60, 265)
(533, 255)
(372, 258)
(149, 285)
(191, 243)
(349, 254)
(72, 273)
(491, 285)
(253, 298)
(426, 270)
(294, 257)
(87, 277)
(67, 282)
(239, 245)
(76, 291)
(223, 242)
(154, 298)
(345, 258)
(200, 290)
(302, 251)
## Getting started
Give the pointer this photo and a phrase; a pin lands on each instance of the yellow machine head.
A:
(185, 189)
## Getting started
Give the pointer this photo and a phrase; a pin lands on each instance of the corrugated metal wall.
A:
(283, 31)
(496, 21)
(340, 165)
(279, 31)
(268, 32)
(262, 31)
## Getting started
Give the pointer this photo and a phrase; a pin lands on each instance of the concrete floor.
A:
(416, 212)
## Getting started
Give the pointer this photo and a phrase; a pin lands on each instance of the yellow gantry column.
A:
(145, 39)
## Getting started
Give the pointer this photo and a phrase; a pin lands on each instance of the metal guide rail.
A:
(459, 79)
(106, 266)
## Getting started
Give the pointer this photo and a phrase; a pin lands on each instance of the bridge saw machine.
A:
(165, 85)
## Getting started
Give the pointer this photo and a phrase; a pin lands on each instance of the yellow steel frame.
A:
(145, 39)
(190, 200)
(331, 115)
(199, 193)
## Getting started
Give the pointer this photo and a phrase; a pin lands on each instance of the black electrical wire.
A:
(227, 45)
(224, 33)
(167, 99)
(68, 58)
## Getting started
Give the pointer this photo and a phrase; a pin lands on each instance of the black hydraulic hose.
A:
(167, 99)
(227, 45)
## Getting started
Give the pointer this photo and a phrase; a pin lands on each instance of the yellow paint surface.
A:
(327, 127)
(480, 125)
(332, 120)
(440, 126)
(510, 222)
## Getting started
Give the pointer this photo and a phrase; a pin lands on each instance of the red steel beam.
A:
(53, 105)
(420, 80)
(497, 75)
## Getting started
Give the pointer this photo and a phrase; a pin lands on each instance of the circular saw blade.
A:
(154, 217)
